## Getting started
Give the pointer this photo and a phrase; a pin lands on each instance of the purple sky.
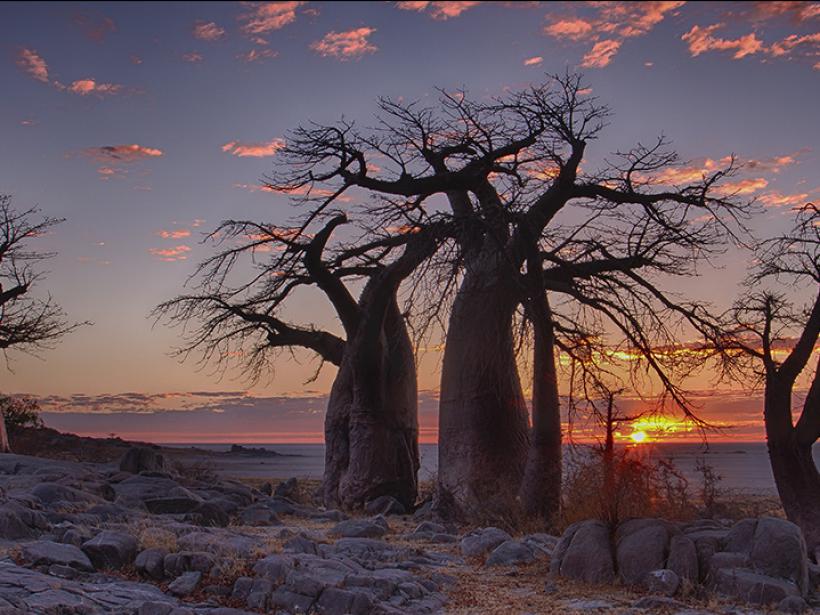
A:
(144, 125)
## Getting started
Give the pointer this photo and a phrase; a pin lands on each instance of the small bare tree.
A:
(28, 323)
(764, 326)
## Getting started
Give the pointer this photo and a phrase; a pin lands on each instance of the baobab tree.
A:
(371, 425)
(507, 172)
(765, 325)
(28, 323)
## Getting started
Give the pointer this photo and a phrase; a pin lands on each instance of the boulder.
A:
(481, 541)
(642, 545)
(358, 528)
(185, 584)
(45, 552)
(792, 604)
(779, 550)
(428, 527)
(741, 536)
(172, 504)
(343, 602)
(287, 489)
(385, 505)
(150, 563)
(664, 582)
(259, 515)
(55, 495)
(584, 553)
(176, 564)
(12, 526)
(752, 587)
(142, 459)
(510, 553)
(208, 514)
(110, 549)
(683, 558)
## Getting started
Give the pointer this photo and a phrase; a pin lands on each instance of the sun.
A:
(638, 437)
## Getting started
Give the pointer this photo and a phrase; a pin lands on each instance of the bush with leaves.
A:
(21, 412)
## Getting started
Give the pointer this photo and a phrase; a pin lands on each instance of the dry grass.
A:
(151, 537)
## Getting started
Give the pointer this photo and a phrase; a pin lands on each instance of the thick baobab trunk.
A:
(540, 491)
(483, 430)
(793, 467)
(371, 427)
(4, 436)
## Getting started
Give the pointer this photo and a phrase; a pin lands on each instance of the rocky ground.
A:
(135, 537)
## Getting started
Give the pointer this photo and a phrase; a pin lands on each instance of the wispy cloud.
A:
(174, 234)
(106, 173)
(608, 26)
(253, 150)
(264, 17)
(255, 55)
(122, 154)
(170, 255)
(778, 199)
(208, 31)
(438, 10)
(601, 54)
(804, 46)
(94, 27)
(33, 64)
(86, 87)
(349, 45)
(193, 57)
(702, 39)
(534, 61)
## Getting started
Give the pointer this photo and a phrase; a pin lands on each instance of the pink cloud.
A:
(208, 31)
(174, 234)
(28, 122)
(701, 40)
(169, 255)
(192, 57)
(106, 173)
(253, 150)
(573, 29)
(33, 64)
(796, 11)
(94, 27)
(775, 164)
(534, 61)
(255, 55)
(265, 17)
(778, 199)
(611, 24)
(807, 45)
(135, 59)
(601, 54)
(85, 87)
(438, 10)
(352, 44)
(122, 154)
(744, 186)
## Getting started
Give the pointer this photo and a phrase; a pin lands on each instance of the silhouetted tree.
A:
(507, 172)
(27, 323)
(371, 425)
(764, 324)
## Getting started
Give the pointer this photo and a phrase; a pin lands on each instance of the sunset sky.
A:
(146, 124)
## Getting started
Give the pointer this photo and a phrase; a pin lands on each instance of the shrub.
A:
(623, 484)
(21, 412)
